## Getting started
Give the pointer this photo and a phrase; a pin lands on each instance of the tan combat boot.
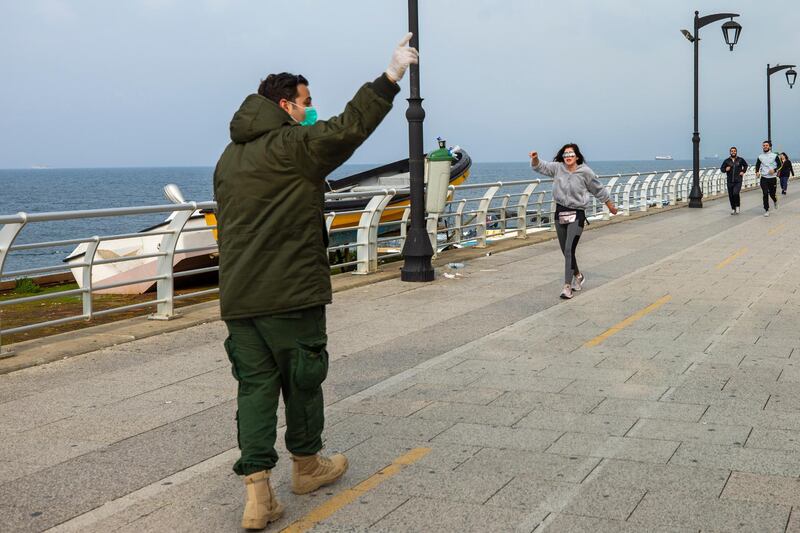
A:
(313, 471)
(261, 506)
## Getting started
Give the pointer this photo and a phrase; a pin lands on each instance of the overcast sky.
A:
(95, 83)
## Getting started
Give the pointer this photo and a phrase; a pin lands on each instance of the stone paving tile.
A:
(572, 469)
(605, 375)
(754, 460)
(703, 482)
(533, 493)
(477, 414)
(616, 390)
(585, 524)
(376, 425)
(759, 488)
(724, 515)
(418, 514)
(690, 431)
(401, 408)
(747, 413)
(599, 501)
(546, 400)
(776, 439)
(362, 513)
(445, 393)
(645, 450)
(499, 367)
(682, 412)
(499, 437)
(794, 522)
(375, 453)
(586, 423)
(443, 377)
(522, 383)
(452, 485)
(710, 396)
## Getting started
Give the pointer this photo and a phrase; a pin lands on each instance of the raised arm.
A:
(542, 167)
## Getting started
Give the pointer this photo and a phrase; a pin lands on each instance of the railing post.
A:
(458, 220)
(610, 187)
(503, 207)
(88, 257)
(165, 287)
(483, 210)
(367, 236)
(627, 193)
(644, 192)
(8, 234)
(522, 211)
(432, 227)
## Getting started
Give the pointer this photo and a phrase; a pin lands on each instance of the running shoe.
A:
(577, 282)
(783, 191)
(766, 213)
(566, 294)
(733, 211)
(737, 211)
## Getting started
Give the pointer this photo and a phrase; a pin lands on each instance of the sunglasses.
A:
(568, 154)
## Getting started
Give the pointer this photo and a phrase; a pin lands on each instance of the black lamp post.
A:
(417, 250)
(791, 76)
(731, 31)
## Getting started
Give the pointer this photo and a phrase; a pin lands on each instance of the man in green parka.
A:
(274, 274)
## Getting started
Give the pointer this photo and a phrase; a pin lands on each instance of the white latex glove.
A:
(402, 57)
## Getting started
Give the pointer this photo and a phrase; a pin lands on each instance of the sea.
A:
(52, 189)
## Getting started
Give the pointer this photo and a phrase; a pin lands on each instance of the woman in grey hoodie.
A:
(573, 183)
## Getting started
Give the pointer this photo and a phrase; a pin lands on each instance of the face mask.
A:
(311, 115)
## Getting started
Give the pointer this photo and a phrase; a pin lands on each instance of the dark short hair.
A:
(768, 142)
(281, 86)
(733, 148)
(578, 155)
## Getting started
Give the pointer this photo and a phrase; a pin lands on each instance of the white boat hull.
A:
(131, 270)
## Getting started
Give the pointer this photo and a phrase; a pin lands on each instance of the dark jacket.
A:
(269, 186)
(737, 168)
(786, 169)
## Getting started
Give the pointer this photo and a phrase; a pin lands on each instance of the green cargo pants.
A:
(270, 354)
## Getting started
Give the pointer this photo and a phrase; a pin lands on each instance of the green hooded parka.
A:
(269, 186)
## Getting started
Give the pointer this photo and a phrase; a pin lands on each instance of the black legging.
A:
(568, 237)
(769, 188)
(734, 187)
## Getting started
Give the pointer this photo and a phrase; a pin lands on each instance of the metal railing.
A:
(477, 214)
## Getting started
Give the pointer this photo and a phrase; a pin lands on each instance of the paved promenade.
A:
(663, 397)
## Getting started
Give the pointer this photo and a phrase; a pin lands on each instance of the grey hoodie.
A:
(572, 189)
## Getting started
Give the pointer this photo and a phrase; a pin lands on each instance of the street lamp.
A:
(791, 76)
(417, 250)
(731, 31)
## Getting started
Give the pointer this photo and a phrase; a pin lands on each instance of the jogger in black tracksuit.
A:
(734, 167)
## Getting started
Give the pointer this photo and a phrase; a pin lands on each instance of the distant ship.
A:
(39, 167)
(663, 158)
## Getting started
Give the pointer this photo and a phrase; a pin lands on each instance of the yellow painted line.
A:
(776, 229)
(348, 496)
(613, 330)
(727, 261)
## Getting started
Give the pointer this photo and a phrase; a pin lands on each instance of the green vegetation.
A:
(27, 286)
